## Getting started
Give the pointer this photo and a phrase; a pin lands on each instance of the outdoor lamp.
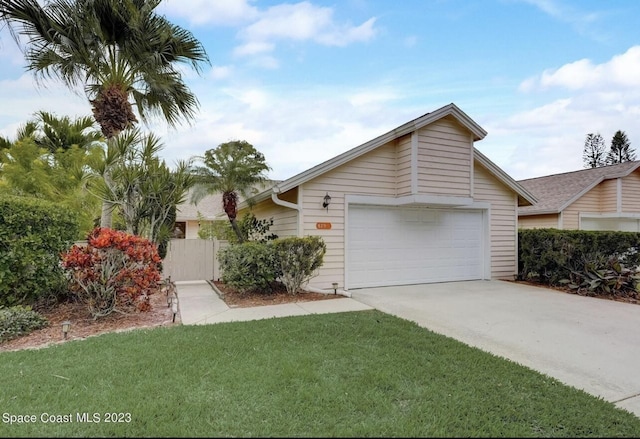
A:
(174, 307)
(65, 327)
(335, 287)
(327, 201)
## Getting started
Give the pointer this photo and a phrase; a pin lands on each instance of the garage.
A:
(411, 245)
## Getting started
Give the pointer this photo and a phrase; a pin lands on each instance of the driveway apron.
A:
(588, 343)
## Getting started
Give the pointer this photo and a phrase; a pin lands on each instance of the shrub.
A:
(115, 271)
(591, 262)
(249, 266)
(19, 320)
(298, 259)
(33, 233)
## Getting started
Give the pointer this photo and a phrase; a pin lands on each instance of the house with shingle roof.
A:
(189, 216)
(604, 198)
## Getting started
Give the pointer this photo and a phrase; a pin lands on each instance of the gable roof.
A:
(407, 128)
(556, 192)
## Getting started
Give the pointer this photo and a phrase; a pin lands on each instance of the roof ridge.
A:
(599, 168)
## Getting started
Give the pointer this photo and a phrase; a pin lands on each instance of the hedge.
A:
(33, 234)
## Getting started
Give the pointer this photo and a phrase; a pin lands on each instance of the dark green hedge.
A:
(33, 233)
(550, 255)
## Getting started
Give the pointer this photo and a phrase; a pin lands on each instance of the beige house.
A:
(605, 198)
(418, 204)
(190, 216)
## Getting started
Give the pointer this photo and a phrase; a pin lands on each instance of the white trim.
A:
(630, 215)
(419, 199)
(472, 173)
(300, 212)
(414, 162)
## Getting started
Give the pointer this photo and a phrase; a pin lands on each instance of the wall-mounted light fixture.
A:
(65, 328)
(326, 201)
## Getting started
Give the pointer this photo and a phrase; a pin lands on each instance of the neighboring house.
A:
(418, 204)
(604, 198)
(189, 216)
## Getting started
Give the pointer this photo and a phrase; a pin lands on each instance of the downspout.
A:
(274, 197)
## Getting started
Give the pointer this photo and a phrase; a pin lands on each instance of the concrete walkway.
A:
(199, 304)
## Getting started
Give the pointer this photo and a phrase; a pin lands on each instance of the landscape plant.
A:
(33, 233)
(19, 320)
(234, 169)
(250, 266)
(115, 271)
(298, 259)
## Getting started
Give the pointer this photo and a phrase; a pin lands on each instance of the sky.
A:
(305, 81)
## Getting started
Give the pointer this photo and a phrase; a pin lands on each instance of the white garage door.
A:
(402, 246)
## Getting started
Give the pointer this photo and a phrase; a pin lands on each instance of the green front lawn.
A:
(351, 374)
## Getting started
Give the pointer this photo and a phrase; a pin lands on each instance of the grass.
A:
(358, 374)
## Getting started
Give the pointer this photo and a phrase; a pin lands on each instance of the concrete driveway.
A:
(588, 343)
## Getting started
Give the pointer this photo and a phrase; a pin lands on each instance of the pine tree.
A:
(593, 154)
(620, 150)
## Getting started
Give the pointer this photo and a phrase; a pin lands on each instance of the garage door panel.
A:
(396, 246)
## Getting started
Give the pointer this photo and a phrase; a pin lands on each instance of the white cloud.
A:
(621, 72)
(581, 98)
(201, 12)
(295, 130)
(300, 22)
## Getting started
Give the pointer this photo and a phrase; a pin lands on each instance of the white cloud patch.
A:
(620, 73)
(582, 97)
(207, 12)
(300, 22)
(295, 130)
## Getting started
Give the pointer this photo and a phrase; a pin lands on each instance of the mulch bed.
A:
(279, 295)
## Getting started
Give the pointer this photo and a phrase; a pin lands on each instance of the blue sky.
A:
(305, 81)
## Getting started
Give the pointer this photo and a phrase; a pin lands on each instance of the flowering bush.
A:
(115, 271)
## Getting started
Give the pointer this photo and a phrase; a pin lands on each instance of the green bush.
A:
(298, 260)
(19, 320)
(33, 233)
(249, 266)
(593, 262)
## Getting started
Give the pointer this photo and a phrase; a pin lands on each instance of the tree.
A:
(233, 168)
(49, 160)
(594, 151)
(61, 133)
(141, 185)
(117, 50)
(620, 150)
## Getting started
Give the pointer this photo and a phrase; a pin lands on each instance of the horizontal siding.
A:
(538, 221)
(588, 203)
(403, 167)
(631, 192)
(444, 159)
(371, 174)
(503, 222)
(285, 220)
(609, 195)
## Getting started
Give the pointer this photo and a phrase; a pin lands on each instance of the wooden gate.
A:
(192, 259)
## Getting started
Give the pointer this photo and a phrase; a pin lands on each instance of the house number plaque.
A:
(323, 226)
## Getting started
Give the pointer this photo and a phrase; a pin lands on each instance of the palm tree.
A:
(144, 188)
(54, 133)
(120, 51)
(233, 168)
